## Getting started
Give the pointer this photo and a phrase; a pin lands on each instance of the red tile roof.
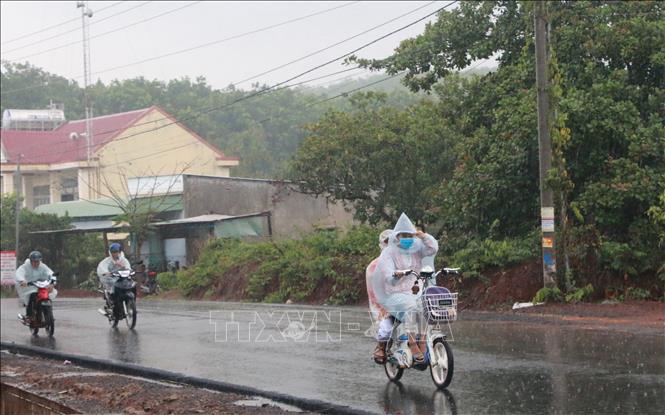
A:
(52, 147)
(48, 147)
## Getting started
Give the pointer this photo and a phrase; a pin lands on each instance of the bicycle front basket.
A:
(439, 305)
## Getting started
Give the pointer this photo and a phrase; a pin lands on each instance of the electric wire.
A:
(196, 47)
(265, 90)
(73, 30)
(268, 89)
(334, 44)
(57, 25)
(108, 32)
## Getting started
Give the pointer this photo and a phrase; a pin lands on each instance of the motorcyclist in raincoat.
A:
(33, 269)
(406, 249)
(116, 261)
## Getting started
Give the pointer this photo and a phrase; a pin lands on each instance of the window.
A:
(70, 189)
(41, 195)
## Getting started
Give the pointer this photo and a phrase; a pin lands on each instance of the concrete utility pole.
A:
(544, 144)
(18, 184)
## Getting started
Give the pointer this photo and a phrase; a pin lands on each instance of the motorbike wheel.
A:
(38, 316)
(49, 321)
(130, 312)
(114, 319)
(393, 371)
(442, 374)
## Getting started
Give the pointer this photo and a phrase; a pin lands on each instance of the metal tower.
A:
(86, 12)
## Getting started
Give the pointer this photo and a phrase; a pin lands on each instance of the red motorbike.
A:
(42, 307)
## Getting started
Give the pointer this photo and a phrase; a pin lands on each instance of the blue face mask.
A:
(405, 243)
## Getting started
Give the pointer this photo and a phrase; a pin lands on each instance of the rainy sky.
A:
(226, 42)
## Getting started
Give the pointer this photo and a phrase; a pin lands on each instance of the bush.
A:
(91, 283)
(167, 280)
(579, 294)
(547, 294)
(482, 254)
(290, 269)
(623, 258)
(634, 293)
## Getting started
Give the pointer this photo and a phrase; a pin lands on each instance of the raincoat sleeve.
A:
(19, 276)
(374, 292)
(430, 246)
(103, 267)
(125, 262)
(45, 271)
(22, 292)
(385, 268)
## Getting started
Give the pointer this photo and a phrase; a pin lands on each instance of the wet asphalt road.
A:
(501, 366)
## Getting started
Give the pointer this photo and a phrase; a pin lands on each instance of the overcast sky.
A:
(186, 25)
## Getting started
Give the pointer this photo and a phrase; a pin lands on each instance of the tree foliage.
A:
(608, 72)
(72, 255)
(379, 159)
(263, 128)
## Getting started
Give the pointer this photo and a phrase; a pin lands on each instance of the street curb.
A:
(313, 405)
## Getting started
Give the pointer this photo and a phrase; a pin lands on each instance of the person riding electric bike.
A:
(405, 251)
(33, 269)
(116, 261)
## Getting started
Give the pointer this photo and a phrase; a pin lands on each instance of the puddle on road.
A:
(258, 402)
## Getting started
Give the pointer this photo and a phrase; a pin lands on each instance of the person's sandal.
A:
(380, 353)
(418, 356)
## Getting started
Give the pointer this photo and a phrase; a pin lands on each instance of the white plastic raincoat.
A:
(395, 294)
(375, 308)
(107, 266)
(29, 274)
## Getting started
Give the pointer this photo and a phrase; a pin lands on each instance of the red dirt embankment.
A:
(497, 291)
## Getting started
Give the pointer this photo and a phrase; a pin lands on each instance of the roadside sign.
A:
(7, 267)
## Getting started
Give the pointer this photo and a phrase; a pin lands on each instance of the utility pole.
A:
(544, 144)
(86, 12)
(18, 184)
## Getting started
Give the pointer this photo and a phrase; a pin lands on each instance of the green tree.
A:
(608, 130)
(379, 159)
(25, 86)
(73, 255)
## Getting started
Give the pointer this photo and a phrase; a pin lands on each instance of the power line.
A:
(268, 89)
(292, 20)
(334, 44)
(199, 46)
(72, 30)
(108, 32)
(262, 121)
(273, 87)
(57, 25)
(226, 39)
(346, 93)
(135, 125)
(328, 83)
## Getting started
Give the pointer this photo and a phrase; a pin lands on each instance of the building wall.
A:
(32, 178)
(292, 212)
(8, 183)
(30, 181)
(166, 151)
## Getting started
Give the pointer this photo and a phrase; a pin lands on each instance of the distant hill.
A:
(388, 86)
